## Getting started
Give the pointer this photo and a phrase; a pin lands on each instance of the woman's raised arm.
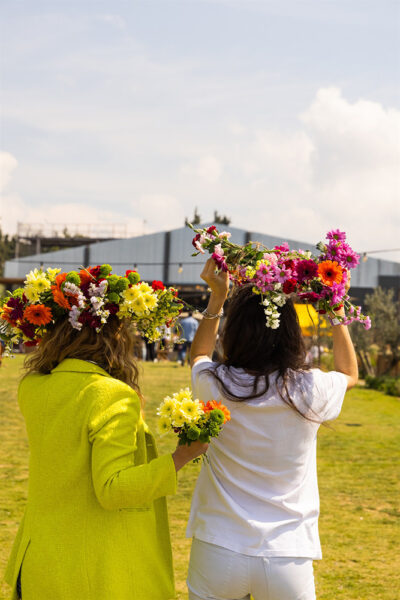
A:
(206, 335)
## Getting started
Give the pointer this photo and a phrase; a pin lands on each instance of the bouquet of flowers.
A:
(88, 297)
(191, 419)
(278, 272)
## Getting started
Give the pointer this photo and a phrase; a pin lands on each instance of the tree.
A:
(196, 218)
(384, 311)
(222, 220)
(7, 249)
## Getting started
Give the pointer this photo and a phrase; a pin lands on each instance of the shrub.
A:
(387, 385)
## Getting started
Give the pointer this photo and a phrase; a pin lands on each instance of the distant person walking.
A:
(189, 327)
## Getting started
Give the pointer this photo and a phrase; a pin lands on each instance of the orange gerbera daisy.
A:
(59, 298)
(60, 280)
(38, 314)
(213, 404)
(5, 315)
(330, 272)
(85, 276)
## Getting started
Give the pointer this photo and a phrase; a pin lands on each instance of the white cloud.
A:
(8, 164)
(339, 166)
(208, 168)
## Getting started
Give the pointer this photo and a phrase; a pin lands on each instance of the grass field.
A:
(358, 479)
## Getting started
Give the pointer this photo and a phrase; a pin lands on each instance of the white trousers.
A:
(216, 573)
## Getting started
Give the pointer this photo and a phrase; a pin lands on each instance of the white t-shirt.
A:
(258, 492)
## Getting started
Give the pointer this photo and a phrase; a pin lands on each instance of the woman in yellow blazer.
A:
(95, 525)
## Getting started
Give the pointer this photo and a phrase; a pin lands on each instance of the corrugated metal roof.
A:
(167, 256)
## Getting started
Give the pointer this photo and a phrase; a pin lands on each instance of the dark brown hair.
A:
(112, 348)
(249, 344)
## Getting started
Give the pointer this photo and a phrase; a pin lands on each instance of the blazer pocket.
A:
(136, 509)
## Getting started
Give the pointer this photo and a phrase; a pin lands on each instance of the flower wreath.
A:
(88, 297)
(276, 274)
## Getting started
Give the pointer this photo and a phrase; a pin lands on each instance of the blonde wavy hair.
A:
(112, 349)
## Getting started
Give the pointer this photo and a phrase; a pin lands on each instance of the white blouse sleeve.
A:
(202, 384)
(327, 393)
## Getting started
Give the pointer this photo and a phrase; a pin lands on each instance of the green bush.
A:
(387, 385)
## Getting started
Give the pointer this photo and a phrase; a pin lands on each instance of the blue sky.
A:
(284, 115)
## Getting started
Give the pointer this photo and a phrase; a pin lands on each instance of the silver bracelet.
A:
(207, 315)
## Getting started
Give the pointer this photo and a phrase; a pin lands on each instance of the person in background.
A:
(254, 512)
(189, 327)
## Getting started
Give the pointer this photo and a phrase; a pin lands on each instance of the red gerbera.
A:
(289, 286)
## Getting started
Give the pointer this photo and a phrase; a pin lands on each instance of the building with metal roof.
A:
(166, 256)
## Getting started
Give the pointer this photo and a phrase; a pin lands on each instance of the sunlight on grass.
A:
(358, 478)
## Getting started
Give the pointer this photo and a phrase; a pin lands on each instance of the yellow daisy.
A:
(145, 288)
(191, 409)
(150, 300)
(184, 394)
(167, 408)
(32, 293)
(131, 293)
(178, 418)
(163, 425)
(52, 273)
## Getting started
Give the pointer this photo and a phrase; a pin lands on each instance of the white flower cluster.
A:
(271, 304)
(96, 294)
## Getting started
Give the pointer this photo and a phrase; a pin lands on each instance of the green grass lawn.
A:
(358, 479)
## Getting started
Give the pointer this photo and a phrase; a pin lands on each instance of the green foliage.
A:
(385, 384)
(134, 277)
(73, 277)
(105, 270)
(196, 219)
(113, 297)
(222, 220)
(7, 249)
(122, 284)
(384, 311)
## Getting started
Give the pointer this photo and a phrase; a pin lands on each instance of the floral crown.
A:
(276, 274)
(88, 297)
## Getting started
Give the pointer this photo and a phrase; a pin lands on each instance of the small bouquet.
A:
(279, 272)
(191, 419)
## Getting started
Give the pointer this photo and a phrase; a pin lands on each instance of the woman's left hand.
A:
(217, 282)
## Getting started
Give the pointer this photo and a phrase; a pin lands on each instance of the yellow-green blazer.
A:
(95, 526)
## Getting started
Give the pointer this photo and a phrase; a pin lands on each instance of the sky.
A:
(283, 115)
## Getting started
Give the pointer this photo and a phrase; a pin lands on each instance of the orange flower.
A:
(5, 315)
(330, 272)
(60, 280)
(85, 276)
(213, 404)
(59, 298)
(38, 314)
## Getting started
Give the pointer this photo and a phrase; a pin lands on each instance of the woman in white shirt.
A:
(254, 513)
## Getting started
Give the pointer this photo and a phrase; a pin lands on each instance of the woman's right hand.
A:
(184, 454)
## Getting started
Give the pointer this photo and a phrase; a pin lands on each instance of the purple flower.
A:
(336, 234)
(283, 248)
(310, 296)
(367, 323)
(348, 258)
(338, 291)
(306, 270)
(281, 274)
(219, 261)
(18, 308)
